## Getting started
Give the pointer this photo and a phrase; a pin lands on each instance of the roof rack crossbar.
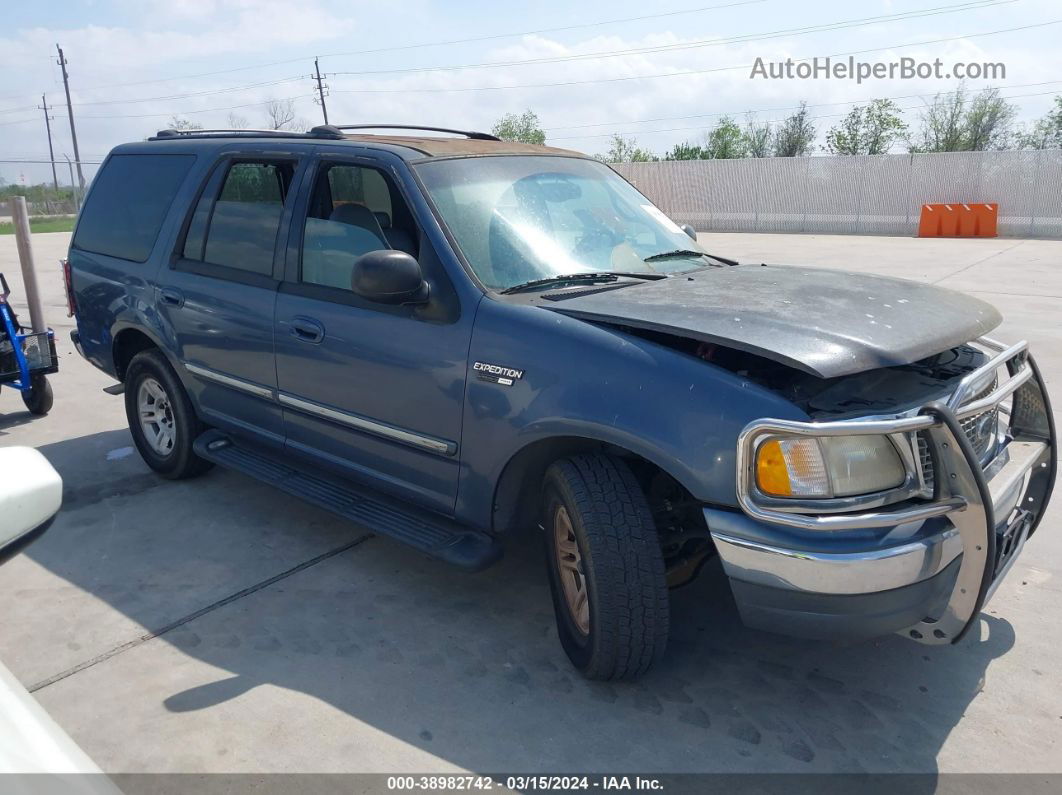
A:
(321, 131)
(478, 136)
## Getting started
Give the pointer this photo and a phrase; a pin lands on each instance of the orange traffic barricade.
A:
(958, 220)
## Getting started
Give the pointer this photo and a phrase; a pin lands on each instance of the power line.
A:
(85, 162)
(188, 95)
(193, 112)
(18, 121)
(687, 73)
(544, 30)
(766, 121)
(429, 44)
(970, 5)
(772, 110)
(16, 110)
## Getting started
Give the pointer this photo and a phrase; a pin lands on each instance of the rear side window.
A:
(128, 203)
(239, 228)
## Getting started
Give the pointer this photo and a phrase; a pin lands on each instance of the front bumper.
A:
(924, 567)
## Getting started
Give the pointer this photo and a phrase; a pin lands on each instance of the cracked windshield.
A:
(520, 219)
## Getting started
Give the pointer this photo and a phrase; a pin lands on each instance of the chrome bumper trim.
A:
(845, 573)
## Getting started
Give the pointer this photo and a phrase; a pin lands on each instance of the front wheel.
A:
(606, 569)
(161, 418)
(38, 398)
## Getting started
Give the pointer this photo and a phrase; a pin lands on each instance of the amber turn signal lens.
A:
(772, 474)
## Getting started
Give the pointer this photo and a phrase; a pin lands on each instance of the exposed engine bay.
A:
(886, 390)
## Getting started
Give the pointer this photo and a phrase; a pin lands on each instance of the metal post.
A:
(910, 182)
(51, 152)
(1036, 196)
(70, 113)
(807, 185)
(20, 217)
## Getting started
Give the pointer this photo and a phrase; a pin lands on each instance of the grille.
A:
(982, 430)
(925, 460)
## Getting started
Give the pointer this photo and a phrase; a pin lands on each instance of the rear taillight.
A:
(68, 283)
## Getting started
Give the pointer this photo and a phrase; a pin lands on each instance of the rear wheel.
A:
(161, 418)
(606, 569)
(38, 398)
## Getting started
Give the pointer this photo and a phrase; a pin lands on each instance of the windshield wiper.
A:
(678, 252)
(577, 278)
(688, 252)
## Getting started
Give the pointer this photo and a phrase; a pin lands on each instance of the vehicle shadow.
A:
(468, 667)
(13, 419)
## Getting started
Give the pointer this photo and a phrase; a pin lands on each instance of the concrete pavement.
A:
(214, 625)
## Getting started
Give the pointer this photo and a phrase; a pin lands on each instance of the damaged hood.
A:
(825, 322)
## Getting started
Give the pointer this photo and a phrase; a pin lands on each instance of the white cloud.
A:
(164, 38)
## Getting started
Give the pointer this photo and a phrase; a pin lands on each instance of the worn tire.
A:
(39, 398)
(621, 563)
(181, 461)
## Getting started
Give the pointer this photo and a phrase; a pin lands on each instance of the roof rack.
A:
(477, 136)
(332, 131)
(321, 131)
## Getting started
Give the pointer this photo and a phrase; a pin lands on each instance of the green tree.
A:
(795, 136)
(990, 121)
(953, 122)
(725, 141)
(685, 151)
(522, 127)
(867, 130)
(757, 137)
(1045, 133)
(626, 150)
(41, 192)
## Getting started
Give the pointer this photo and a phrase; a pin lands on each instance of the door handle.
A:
(306, 329)
(171, 297)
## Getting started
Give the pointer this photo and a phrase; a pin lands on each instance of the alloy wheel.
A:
(570, 569)
(156, 417)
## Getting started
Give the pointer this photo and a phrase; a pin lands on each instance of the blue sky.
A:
(134, 63)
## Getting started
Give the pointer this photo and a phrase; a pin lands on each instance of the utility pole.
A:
(320, 90)
(51, 152)
(70, 114)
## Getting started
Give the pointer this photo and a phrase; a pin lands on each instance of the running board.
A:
(434, 535)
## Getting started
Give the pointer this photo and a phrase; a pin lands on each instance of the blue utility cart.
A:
(26, 359)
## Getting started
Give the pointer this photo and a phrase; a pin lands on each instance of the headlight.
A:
(828, 466)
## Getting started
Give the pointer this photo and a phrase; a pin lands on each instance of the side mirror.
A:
(689, 230)
(389, 277)
(31, 492)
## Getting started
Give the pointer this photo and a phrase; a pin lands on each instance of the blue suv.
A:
(452, 339)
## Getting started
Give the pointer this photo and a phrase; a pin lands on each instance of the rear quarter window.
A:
(128, 203)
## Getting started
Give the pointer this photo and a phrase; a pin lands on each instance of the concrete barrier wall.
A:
(873, 194)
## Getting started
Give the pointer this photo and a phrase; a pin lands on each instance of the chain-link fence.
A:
(872, 194)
